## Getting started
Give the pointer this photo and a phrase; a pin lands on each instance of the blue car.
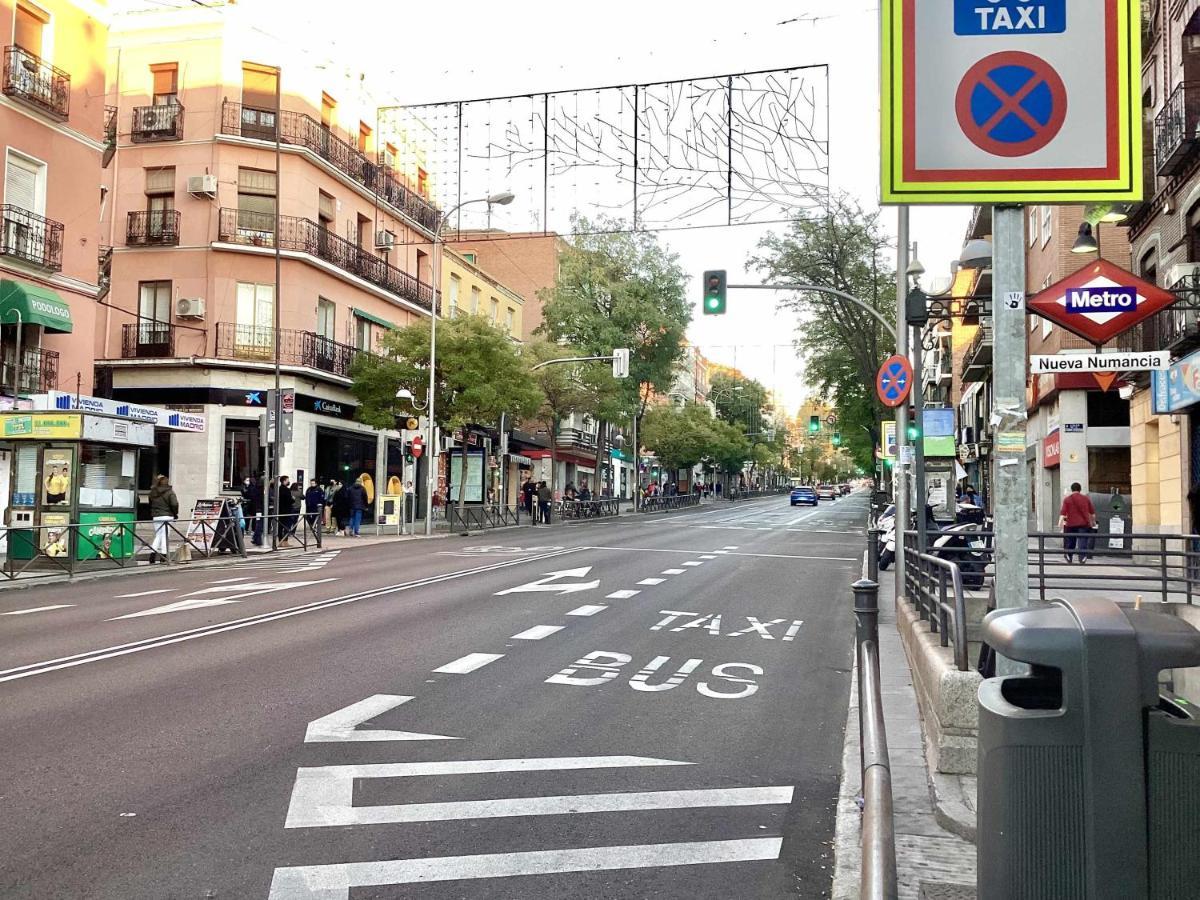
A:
(804, 495)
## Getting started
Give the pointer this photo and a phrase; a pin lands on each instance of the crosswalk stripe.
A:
(333, 882)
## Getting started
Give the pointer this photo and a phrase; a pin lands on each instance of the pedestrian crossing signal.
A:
(714, 292)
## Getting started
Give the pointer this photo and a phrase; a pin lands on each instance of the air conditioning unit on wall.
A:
(384, 240)
(202, 186)
(189, 308)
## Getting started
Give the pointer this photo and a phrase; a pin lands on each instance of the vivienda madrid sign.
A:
(1100, 301)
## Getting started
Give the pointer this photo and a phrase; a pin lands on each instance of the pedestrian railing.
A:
(660, 503)
(481, 518)
(877, 880)
(589, 509)
(935, 587)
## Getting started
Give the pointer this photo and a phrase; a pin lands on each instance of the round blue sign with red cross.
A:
(894, 381)
(1011, 103)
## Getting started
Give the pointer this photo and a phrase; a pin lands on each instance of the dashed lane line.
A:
(469, 663)
(587, 610)
(622, 594)
(537, 632)
(36, 609)
(671, 572)
(650, 582)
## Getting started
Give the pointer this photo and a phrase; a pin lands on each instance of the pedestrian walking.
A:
(164, 508)
(357, 497)
(1077, 517)
(528, 495)
(252, 507)
(314, 506)
(545, 497)
(341, 508)
(285, 508)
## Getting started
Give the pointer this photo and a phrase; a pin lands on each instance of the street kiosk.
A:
(70, 469)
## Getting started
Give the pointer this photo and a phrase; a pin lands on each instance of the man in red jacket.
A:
(1077, 517)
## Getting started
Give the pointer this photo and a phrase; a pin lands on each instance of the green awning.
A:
(33, 305)
(371, 318)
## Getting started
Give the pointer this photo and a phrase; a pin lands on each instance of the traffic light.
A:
(837, 439)
(913, 432)
(714, 292)
(814, 424)
(620, 363)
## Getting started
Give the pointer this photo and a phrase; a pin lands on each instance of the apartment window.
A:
(1148, 267)
(389, 155)
(242, 456)
(510, 317)
(166, 83)
(495, 310)
(424, 270)
(328, 109)
(1193, 233)
(362, 333)
(364, 232)
(259, 85)
(1047, 213)
(29, 28)
(160, 200)
(256, 200)
(455, 287)
(470, 257)
(475, 293)
(364, 137)
(422, 182)
(25, 183)
(154, 301)
(1033, 226)
(255, 316)
(325, 318)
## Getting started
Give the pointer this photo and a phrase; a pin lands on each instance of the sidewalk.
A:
(932, 862)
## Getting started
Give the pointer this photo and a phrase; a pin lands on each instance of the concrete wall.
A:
(1158, 469)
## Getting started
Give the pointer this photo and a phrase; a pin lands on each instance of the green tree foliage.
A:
(739, 400)
(682, 437)
(842, 346)
(479, 375)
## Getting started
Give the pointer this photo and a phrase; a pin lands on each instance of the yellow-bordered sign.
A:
(1018, 101)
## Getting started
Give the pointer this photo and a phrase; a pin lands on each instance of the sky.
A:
(472, 49)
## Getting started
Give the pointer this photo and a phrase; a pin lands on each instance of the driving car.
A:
(804, 494)
(827, 492)
(844, 489)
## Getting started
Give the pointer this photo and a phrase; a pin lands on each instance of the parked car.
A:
(827, 492)
(805, 495)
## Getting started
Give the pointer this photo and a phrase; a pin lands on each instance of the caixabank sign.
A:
(1019, 101)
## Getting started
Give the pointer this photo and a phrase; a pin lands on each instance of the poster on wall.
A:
(56, 476)
(474, 479)
(105, 535)
(54, 534)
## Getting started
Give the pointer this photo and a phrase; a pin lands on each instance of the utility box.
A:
(1089, 782)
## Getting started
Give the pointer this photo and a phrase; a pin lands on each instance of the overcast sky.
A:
(471, 49)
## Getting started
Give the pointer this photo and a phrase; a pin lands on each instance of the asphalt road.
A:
(645, 708)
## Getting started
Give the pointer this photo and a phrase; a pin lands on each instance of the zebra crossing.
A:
(323, 797)
(288, 564)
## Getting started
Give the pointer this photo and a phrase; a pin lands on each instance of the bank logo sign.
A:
(1099, 302)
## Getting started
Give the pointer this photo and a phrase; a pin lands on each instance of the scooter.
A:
(887, 540)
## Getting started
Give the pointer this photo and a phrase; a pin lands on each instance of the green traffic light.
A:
(837, 439)
(714, 293)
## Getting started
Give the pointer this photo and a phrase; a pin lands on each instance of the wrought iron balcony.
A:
(110, 135)
(39, 369)
(30, 237)
(977, 361)
(1175, 129)
(32, 80)
(576, 438)
(241, 226)
(147, 340)
(296, 348)
(152, 228)
(104, 271)
(157, 123)
(1176, 328)
(299, 130)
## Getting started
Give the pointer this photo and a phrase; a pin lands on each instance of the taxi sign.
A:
(1018, 101)
(1100, 301)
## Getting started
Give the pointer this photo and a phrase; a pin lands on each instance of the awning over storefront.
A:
(31, 304)
(376, 319)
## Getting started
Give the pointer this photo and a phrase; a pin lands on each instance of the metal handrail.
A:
(878, 878)
(479, 518)
(599, 507)
(660, 503)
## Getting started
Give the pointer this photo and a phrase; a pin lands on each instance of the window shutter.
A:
(256, 181)
(258, 86)
(326, 207)
(161, 180)
(20, 185)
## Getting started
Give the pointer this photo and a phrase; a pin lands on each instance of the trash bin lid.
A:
(1043, 634)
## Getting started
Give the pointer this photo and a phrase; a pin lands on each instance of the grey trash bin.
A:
(1088, 782)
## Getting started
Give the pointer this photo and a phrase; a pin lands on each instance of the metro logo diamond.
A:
(1091, 300)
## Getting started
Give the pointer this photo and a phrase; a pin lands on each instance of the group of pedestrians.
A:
(537, 498)
(332, 507)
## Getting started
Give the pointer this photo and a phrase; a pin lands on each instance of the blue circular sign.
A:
(1011, 103)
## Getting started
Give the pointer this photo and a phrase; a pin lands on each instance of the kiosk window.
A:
(106, 477)
(242, 456)
(25, 490)
(56, 476)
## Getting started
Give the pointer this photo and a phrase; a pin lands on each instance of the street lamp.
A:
(503, 198)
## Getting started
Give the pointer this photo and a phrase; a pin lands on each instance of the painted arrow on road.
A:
(340, 726)
(192, 601)
(545, 584)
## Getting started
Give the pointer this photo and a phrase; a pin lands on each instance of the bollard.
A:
(873, 535)
(866, 611)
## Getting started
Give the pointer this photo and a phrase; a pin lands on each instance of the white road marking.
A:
(340, 726)
(333, 882)
(708, 556)
(537, 632)
(587, 610)
(144, 593)
(622, 594)
(193, 601)
(729, 547)
(650, 582)
(230, 580)
(469, 663)
(319, 809)
(672, 572)
(693, 563)
(725, 553)
(80, 659)
(547, 583)
(34, 609)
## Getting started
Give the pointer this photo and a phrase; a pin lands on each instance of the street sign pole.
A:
(899, 470)
(1010, 480)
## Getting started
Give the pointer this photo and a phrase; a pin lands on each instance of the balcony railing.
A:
(110, 124)
(34, 81)
(152, 228)
(147, 340)
(296, 348)
(39, 369)
(104, 271)
(1176, 328)
(1175, 129)
(577, 438)
(977, 361)
(257, 229)
(157, 123)
(30, 237)
(299, 130)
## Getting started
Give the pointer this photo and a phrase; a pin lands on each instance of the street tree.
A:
(842, 346)
(479, 375)
(680, 436)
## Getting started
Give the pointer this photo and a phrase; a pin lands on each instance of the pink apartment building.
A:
(53, 138)
(192, 195)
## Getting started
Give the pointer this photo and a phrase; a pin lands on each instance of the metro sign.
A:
(1100, 301)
